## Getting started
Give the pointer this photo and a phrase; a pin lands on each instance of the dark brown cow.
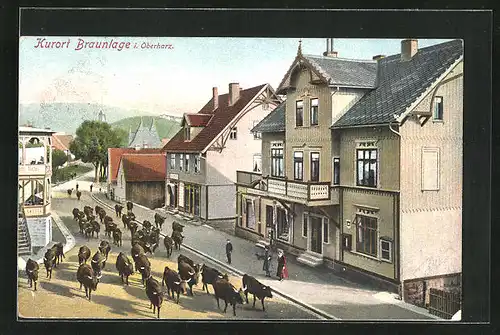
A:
(32, 272)
(87, 277)
(124, 267)
(78, 194)
(49, 260)
(253, 286)
(105, 248)
(190, 275)
(154, 293)
(98, 262)
(177, 237)
(117, 237)
(226, 291)
(173, 282)
(83, 254)
(169, 245)
(159, 220)
(75, 213)
(143, 265)
(210, 275)
(130, 206)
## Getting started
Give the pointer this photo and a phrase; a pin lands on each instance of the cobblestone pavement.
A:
(112, 299)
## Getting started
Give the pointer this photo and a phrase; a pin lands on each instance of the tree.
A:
(59, 157)
(93, 138)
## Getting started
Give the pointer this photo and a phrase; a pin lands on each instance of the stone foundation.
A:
(416, 292)
(40, 229)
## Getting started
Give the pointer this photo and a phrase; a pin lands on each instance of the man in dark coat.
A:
(77, 186)
(91, 186)
(229, 250)
(267, 261)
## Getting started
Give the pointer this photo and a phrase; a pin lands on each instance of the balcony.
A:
(309, 194)
(38, 169)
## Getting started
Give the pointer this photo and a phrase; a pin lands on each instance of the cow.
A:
(102, 214)
(210, 275)
(154, 293)
(131, 215)
(126, 221)
(81, 224)
(98, 209)
(143, 265)
(176, 226)
(32, 272)
(83, 254)
(137, 250)
(173, 282)
(88, 229)
(75, 213)
(59, 250)
(147, 225)
(169, 245)
(105, 248)
(109, 227)
(145, 245)
(49, 260)
(96, 228)
(69, 192)
(78, 194)
(133, 227)
(130, 206)
(117, 237)
(88, 211)
(224, 290)
(154, 239)
(124, 267)
(182, 258)
(189, 274)
(87, 277)
(177, 237)
(98, 262)
(159, 220)
(253, 286)
(118, 210)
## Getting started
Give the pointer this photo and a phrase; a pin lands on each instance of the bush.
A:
(69, 172)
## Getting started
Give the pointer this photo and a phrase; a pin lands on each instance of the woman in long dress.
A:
(282, 272)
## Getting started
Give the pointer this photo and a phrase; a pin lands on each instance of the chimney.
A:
(234, 93)
(329, 49)
(409, 48)
(378, 57)
(215, 98)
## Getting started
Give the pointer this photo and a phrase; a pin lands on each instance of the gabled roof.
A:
(61, 142)
(196, 119)
(115, 154)
(334, 71)
(400, 84)
(148, 135)
(273, 122)
(221, 117)
(144, 167)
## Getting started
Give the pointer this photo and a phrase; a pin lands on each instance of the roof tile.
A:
(115, 154)
(144, 167)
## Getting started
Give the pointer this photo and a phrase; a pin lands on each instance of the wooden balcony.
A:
(39, 169)
(36, 210)
(307, 193)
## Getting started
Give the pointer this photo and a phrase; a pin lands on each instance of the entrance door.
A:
(316, 235)
(197, 201)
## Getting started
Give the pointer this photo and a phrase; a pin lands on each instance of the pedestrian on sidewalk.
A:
(282, 272)
(77, 186)
(229, 250)
(267, 261)
(91, 186)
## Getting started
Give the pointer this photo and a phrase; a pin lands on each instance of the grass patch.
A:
(69, 172)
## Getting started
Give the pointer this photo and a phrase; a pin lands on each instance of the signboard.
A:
(174, 176)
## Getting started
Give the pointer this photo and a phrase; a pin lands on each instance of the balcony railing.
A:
(304, 192)
(39, 169)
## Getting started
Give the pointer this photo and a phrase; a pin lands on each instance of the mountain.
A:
(166, 128)
(66, 117)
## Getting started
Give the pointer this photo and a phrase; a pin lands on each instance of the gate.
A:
(443, 304)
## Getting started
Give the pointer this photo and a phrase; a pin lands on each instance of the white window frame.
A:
(172, 161)
(369, 144)
(311, 163)
(311, 105)
(197, 165)
(390, 250)
(233, 135)
(333, 170)
(187, 133)
(181, 162)
(437, 100)
(259, 160)
(298, 152)
(277, 145)
(297, 103)
(438, 169)
(186, 158)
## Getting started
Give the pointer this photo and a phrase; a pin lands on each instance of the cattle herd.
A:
(145, 241)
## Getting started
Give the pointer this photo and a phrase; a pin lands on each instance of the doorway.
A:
(316, 234)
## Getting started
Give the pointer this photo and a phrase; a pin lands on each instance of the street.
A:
(112, 299)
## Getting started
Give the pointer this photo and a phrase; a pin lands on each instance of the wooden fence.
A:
(443, 303)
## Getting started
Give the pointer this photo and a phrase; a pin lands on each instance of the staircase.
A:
(310, 259)
(23, 237)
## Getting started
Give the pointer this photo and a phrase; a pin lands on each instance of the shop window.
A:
(366, 240)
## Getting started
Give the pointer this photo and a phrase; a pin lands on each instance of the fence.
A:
(443, 304)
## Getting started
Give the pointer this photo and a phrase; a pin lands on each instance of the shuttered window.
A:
(430, 169)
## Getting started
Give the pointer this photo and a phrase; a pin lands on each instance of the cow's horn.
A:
(177, 282)
(142, 267)
(190, 280)
(94, 261)
(99, 276)
(89, 277)
(235, 290)
(191, 273)
(155, 293)
(45, 258)
(30, 271)
(220, 276)
(244, 288)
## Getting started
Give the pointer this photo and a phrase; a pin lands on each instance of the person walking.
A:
(77, 186)
(91, 186)
(229, 250)
(282, 272)
(267, 261)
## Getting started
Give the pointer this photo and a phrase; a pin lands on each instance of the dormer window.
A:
(187, 134)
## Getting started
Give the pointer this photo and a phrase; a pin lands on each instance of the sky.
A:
(173, 80)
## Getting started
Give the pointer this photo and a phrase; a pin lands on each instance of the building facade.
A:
(202, 158)
(356, 195)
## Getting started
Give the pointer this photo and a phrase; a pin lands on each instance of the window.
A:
(181, 162)
(172, 161)
(187, 134)
(304, 226)
(438, 108)
(187, 163)
(314, 112)
(196, 163)
(257, 163)
(367, 235)
(386, 250)
(298, 165)
(336, 171)
(277, 160)
(430, 169)
(232, 135)
(326, 228)
(250, 214)
(282, 223)
(367, 167)
(256, 136)
(299, 113)
(314, 166)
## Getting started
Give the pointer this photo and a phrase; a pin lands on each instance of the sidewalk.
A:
(319, 288)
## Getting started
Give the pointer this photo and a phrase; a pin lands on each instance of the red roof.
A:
(144, 167)
(198, 119)
(115, 154)
(61, 142)
(221, 117)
